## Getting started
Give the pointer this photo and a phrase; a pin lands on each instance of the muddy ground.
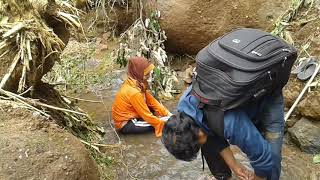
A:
(33, 148)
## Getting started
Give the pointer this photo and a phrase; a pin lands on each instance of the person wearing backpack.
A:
(185, 133)
(235, 98)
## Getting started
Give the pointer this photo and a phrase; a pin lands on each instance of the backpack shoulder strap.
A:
(214, 118)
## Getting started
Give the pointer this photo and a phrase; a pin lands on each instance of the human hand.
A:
(243, 173)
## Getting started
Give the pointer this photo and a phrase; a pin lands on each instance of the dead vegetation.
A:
(33, 35)
(299, 26)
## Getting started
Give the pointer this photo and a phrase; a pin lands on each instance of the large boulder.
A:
(310, 106)
(306, 135)
(191, 24)
(33, 148)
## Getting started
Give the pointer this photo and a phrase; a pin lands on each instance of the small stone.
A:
(36, 114)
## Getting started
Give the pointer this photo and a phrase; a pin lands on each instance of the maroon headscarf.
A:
(137, 68)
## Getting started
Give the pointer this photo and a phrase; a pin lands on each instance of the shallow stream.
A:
(147, 158)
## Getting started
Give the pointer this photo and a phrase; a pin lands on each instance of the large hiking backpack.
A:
(240, 67)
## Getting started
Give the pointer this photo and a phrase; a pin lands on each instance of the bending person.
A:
(135, 110)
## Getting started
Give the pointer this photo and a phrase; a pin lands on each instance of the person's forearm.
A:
(228, 157)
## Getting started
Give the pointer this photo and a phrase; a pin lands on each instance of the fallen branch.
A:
(22, 100)
(79, 99)
(56, 108)
(89, 144)
(108, 145)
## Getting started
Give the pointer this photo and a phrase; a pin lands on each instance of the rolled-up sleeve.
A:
(138, 103)
(158, 108)
(240, 131)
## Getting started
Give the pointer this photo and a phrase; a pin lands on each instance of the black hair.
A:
(180, 137)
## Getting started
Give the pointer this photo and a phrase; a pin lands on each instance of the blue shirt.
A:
(238, 130)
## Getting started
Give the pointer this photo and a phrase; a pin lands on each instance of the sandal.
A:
(302, 64)
(308, 69)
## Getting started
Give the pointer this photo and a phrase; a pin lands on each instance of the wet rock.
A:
(191, 24)
(38, 154)
(310, 106)
(306, 135)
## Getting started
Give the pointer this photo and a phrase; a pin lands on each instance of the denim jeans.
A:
(270, 122)
(257, 130)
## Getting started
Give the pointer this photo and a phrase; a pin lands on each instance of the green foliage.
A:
(146, 38)
(289, 15)
(154, 22)
(121, 60)
(105, 163)
(316, 159)
(74, 70)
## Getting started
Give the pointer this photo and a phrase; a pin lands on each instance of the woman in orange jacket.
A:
(135, 110)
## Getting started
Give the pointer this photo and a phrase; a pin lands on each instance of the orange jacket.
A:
(131, 103)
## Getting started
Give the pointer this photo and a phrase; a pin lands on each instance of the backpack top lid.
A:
(236, 61)
(246, 49)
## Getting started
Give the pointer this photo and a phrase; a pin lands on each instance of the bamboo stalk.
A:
(302, 93)
(3, 44)
(70, 18)
(22, 81)
(4, 53)
(22, 42)
(17, 27)
(74, 118)
(29, 51)
(11, 69)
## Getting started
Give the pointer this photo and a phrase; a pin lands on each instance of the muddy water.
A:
(147, 159)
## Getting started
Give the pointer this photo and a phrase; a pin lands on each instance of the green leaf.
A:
(316, 159)
(157, 72)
